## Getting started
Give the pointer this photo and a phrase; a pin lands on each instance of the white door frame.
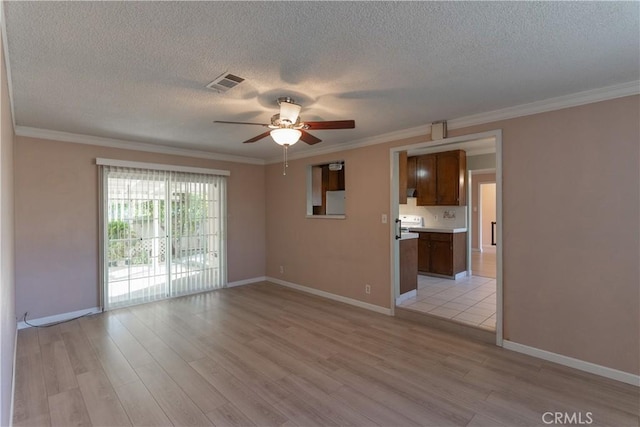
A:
(444, 145)
(480, 236)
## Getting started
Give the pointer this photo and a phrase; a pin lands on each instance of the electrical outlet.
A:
(367, 289)
(384, 218)
(449, 214)
(281, 269)
(435, 217)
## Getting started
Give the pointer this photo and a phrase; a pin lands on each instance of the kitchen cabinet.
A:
(406, 176)
(442, 254)
(424, 261)
(426, 180)
(332, 180)
(411, 171)
(451, 171)
(402, 177)
(441, 179)
(408, 265)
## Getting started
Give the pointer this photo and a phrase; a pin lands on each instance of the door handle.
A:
(399, 229)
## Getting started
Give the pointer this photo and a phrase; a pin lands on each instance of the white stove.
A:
(411, 221)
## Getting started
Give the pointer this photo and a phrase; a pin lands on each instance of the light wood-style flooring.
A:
(265, 355)
(483, 263)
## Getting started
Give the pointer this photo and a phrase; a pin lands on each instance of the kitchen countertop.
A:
(438, 230)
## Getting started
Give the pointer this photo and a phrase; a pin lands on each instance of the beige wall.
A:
(481, 161)
(571, 218)
(570, 231)
(333, 255)
(56, 226)
(7, 279)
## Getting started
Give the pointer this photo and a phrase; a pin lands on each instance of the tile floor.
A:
(470, 300)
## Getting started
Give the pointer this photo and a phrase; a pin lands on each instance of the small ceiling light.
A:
(286, 136)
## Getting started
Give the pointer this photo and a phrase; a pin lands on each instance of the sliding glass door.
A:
(163, 234)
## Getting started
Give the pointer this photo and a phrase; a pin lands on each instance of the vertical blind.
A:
(163, 234)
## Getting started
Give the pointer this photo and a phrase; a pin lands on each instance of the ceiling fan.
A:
(287, 128)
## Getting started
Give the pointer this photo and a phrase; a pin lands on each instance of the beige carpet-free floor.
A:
(265, 355)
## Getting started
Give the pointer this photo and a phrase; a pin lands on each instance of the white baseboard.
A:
(331, 296)
(246, 281)
(581, 365)
(406, 296)
(13, 377)
(59, 317)
(461, 275)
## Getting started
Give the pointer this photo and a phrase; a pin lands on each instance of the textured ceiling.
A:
(137, 70)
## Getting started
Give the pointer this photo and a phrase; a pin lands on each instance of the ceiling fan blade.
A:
(240, 123)
(335, 124)
(308, 138)
(257, 138)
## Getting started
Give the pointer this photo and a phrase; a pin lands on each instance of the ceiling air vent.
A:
(225, 82)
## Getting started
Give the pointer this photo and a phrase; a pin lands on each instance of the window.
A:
(326, 196)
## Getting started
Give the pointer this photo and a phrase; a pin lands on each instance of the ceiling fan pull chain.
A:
(286, 161)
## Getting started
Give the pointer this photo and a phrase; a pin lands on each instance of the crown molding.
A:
(359, 143)
(550, 104)
(129, 145)
(7, 70)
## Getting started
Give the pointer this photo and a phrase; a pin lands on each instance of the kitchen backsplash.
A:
(436, 216)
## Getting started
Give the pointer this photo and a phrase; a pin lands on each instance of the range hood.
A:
(411, 192)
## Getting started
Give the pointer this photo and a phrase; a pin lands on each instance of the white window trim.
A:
(159, 166)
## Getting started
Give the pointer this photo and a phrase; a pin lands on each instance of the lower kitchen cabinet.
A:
(442, 254)
(408, 265)
(424, 262)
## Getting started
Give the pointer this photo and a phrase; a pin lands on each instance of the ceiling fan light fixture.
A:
(286, 136)
(289, 112)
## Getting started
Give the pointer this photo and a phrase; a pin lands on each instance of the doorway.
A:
(454, 291)
(487, 215)
(483, 220)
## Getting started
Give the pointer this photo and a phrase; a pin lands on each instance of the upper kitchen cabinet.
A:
(441, 179)
(332, 180)
(426, 178)
(407, 177)
(411, 173)
(451, 177)
(402, 177)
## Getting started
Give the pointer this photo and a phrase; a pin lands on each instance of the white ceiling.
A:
(137, 71)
